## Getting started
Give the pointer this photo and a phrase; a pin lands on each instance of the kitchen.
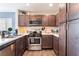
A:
(39, 29)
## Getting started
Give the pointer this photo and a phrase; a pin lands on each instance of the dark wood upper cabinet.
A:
(73, 38)
(49, 20)
(73, 10)
(27, 21)
(45, 20)
(22, 20)
(62, 39)
(62, 14)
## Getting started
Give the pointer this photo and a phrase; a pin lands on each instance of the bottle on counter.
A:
(15, 32)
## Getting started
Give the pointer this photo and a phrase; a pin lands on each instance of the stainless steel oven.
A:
(34, 43)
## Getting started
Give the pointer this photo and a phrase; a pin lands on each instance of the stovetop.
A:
(35, 34)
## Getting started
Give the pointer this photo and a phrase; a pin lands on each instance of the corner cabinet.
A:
(52, 20)
(23, 20)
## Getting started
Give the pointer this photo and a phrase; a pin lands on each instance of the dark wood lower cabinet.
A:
(21, 46)
(26, 42)
(55, 44)
(47, 41)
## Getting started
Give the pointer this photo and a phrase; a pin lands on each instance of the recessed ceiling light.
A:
(50, 5)
(27, 4)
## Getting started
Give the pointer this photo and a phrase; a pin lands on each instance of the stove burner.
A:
(35, 34)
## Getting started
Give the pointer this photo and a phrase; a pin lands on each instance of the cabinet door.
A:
(22, 20)
(50, 41)
(55, 44)
(62, 13)
(47, 41)
(38, 17)
(22, 46)
(25, 43)
(73, 38)
(51, 20)
(62, 39)
(19, 47)
(73, 11)
(27, 20)
(45, 20)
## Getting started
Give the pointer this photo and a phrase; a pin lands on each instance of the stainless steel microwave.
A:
(37, 22)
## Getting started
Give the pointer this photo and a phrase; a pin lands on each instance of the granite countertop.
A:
(7, 40)
(50, 33)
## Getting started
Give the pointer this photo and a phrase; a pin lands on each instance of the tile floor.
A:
(39, 53)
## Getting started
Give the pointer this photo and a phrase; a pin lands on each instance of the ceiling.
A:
(34, 8)
(43, 8)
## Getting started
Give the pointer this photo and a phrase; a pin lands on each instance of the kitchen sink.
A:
(10, 37)
(13, 36)
(18, 35)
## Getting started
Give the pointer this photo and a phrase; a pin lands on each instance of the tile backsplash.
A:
(51, 29)
(47, 29)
